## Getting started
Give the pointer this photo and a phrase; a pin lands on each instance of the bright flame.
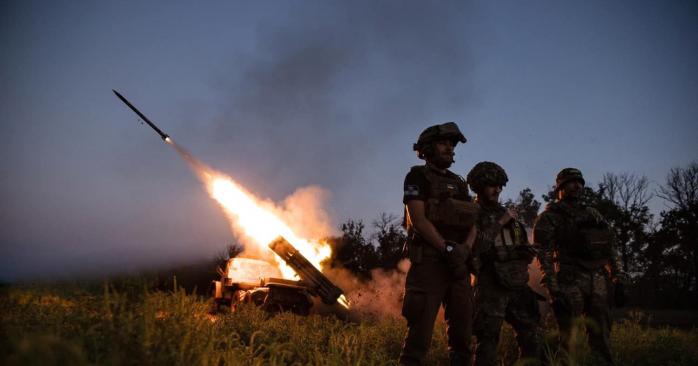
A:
(250, 270)
(343, 301)
(257, 221)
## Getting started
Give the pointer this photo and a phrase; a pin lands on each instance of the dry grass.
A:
(81, 325)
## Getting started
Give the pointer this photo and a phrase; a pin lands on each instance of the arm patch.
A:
(411, 190)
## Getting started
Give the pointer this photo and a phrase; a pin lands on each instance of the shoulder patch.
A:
(411, 190)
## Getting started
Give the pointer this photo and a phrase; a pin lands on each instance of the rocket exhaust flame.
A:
(295, 257)
(257, 220)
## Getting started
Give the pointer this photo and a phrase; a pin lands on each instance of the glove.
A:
(456, 256)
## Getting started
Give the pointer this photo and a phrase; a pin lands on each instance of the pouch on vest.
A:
(512, 274)
(452, 212)
(598, 242)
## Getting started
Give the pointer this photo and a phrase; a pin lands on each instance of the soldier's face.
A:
(443, 154)
(572, 189)
(490, 194)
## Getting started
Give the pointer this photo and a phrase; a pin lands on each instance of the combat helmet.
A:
(444, 131)
(566, 175)
(486, 173)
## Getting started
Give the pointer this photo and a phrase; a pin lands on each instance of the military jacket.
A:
(574, 235)
(448, 204)
(503, 250)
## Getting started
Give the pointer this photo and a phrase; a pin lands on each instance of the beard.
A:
(442, 161)
(572, 195)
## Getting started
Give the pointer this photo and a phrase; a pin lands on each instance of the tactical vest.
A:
(448, 207)
(448, 203)
(585, 239)
(512, 254)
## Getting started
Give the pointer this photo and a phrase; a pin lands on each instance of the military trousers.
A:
(494, 304)
(430, 285)
(587, 293)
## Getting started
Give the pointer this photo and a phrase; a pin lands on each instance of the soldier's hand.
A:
(456, 256)
(511, 213)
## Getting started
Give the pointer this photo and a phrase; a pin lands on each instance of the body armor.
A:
(511, 256)
(448, 201)
(586, 239)
(506, 252)
(447, 207)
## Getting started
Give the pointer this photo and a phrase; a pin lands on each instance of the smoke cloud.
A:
(322, 95)
(314, 95)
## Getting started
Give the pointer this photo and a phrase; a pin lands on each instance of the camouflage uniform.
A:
(501, 255)
(578, 260)
(430, 283)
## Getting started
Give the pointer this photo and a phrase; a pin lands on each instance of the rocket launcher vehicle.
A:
(318, 284)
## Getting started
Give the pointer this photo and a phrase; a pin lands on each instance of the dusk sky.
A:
(282, 95)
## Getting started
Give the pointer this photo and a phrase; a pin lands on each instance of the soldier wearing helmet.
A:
(579, 261)
(500, 259)
(438, 216)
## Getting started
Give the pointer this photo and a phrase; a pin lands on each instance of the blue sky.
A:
(282, 95)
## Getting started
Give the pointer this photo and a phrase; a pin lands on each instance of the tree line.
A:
(660, 253)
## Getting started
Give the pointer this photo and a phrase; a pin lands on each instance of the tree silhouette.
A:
(622, 199)
(353, 251)
(527, 206)
(391, 239)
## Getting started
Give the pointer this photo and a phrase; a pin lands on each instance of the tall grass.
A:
(128, 324)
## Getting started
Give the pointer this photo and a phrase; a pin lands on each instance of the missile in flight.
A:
(163, 135)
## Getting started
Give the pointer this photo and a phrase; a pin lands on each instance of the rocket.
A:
(163, 135)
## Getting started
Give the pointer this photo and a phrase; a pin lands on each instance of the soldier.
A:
(438, 214)
(579, 262)
(500, 259)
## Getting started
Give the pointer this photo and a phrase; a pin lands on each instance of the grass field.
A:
(125, 323)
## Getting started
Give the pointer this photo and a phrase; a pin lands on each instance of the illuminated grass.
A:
(78, 326)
